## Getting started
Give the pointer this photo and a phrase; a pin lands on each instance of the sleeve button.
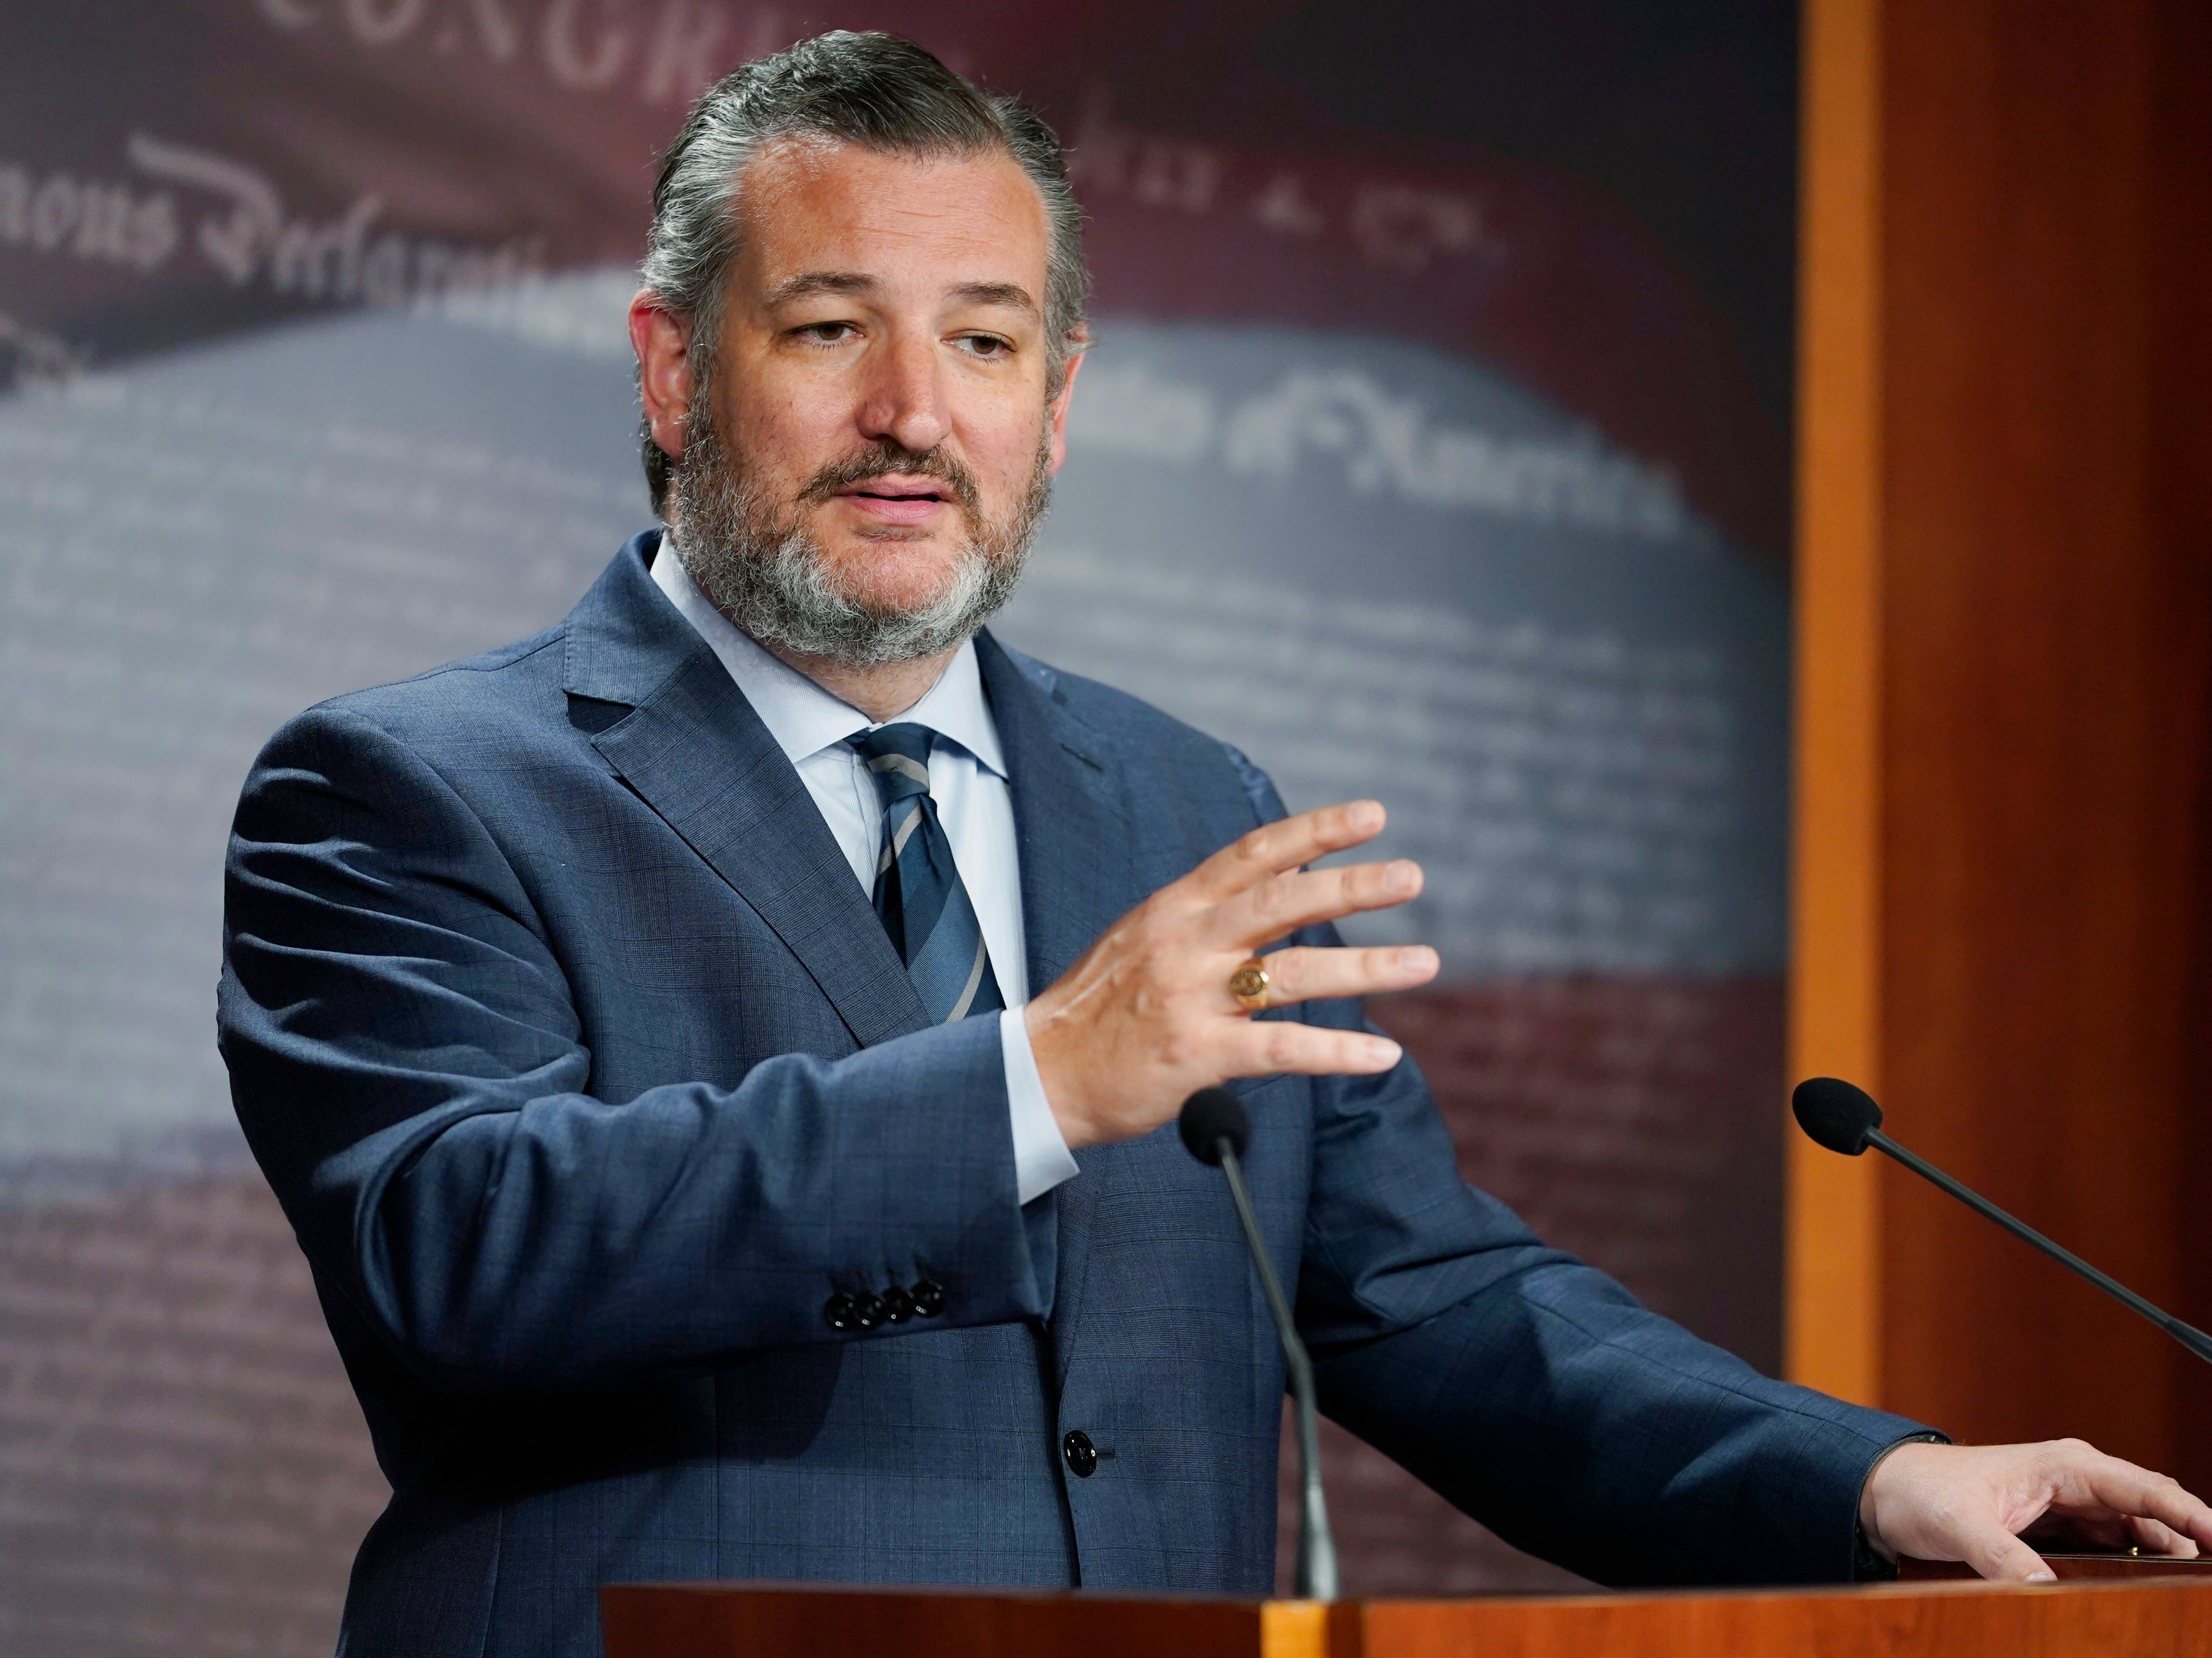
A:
(928, 1297)
(898, 1306)
(868, 1311)
(837, 1313)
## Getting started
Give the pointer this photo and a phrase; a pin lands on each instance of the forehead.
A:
(817, 203)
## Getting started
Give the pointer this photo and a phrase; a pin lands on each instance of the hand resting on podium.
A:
(1985, 1504)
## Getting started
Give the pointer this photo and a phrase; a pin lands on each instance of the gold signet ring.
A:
(1249, 984)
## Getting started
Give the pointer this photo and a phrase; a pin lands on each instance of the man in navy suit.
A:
(715, 1054)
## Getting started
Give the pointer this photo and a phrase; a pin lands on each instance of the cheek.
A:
(773, 448)
(1004, 451)
(780, 434)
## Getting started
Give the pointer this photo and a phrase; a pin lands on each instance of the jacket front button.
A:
(837, 1313)
(1082, 1456)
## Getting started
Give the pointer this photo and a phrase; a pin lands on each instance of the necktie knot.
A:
(898, 757)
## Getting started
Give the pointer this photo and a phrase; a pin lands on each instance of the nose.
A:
(903, 399)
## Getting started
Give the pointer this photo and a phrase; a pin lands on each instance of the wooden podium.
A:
(2104, 1608)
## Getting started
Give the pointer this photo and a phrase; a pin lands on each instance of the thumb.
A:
(1997, 1554)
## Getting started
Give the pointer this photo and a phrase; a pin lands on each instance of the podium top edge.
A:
(2110, 1571)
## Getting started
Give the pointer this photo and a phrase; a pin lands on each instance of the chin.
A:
(900, 578)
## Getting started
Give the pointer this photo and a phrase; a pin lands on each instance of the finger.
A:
(2152, 1538)
(2088, 1478)
(1298, 976)
(1283, 845)
(2107, 1532)
(1270, 1046)
(1284, 904)
(1997, 1554)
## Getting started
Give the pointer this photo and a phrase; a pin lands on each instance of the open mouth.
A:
(910, 501)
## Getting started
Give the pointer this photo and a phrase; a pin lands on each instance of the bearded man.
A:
(715, 1054)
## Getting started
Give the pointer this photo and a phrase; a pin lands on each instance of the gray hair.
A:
(874, 90)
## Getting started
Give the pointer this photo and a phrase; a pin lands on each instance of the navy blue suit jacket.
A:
(586, 1076)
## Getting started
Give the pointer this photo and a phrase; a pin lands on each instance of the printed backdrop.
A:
(1414, 472)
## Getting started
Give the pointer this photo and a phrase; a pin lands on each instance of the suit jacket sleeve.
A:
(409, 1068)
(1533, 1391)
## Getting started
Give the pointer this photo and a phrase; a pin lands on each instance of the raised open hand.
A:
(1146, 1015)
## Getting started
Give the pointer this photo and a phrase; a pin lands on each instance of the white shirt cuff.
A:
(1042, 1159)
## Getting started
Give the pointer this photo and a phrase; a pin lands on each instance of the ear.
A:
(1057, 412)
(663, 369)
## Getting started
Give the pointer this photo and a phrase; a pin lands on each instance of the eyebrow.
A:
(819, 281)
(1012, 296)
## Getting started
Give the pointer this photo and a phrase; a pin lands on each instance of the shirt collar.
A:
(802, 717)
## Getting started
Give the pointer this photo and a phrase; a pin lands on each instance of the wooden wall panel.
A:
(2181, 460)
(2040, 696)
(1832, 1329)
(2040, 478)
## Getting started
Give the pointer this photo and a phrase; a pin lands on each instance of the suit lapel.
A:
(1071, 814)
(1079, 875)
(695, 752)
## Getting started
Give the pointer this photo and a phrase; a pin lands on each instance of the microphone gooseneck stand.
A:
(1216, 1129)
(1844, 1117)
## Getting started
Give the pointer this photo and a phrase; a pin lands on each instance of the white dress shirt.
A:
(967, 780)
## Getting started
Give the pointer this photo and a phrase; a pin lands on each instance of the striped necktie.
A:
(918, 895)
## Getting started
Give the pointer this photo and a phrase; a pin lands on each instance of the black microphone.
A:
(1844, 1118)
(1215, 1130)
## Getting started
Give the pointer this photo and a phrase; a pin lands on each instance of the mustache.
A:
(886, 458)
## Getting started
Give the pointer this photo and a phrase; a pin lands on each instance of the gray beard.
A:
(765, 572)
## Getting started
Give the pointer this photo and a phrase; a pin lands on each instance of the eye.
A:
(989, 347)
(825, 333)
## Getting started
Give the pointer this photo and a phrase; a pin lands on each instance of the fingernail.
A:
(2046, 1576)
(1385, 1054)
(1417, 958)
